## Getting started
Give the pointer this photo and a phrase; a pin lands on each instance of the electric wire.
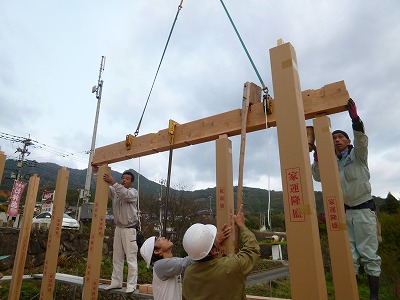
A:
(36, 167)
(10, 137)
(43, 147)
(158, 69)
(56, 152)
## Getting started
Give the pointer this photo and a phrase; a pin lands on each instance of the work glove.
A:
(352, 109)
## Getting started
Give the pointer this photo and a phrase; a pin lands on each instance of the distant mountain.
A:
(48, 177)
(255, 199)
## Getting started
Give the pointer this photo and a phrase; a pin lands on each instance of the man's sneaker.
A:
(129, 290)
(112, 287)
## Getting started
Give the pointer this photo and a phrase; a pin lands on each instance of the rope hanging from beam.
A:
(268, 169)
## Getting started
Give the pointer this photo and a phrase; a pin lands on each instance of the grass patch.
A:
(267, 264)
(280, 288)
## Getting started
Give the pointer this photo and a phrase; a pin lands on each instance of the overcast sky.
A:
(50, 53)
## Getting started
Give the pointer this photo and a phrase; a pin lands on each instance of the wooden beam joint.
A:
(329, 99)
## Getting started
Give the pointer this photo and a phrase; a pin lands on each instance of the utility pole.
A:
(27, 142)
(85, 193)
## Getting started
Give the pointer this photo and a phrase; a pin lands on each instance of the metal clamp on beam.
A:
(267, 103)
(129, 141)
(171, 131)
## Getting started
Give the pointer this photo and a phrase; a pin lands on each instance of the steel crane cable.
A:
(266, 99)
(158, 69)
(265, 89)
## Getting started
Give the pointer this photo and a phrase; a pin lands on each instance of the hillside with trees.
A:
(255, 199)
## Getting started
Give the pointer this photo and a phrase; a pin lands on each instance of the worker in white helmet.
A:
(167, 269)
(213, 277)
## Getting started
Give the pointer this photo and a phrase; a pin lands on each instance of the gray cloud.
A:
(53, 53)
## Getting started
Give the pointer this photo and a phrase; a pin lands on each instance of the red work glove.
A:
(352, 109)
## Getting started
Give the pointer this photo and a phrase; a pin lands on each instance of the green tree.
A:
(391, 205)
(252, 220)
(389, 249)
(3, 197)
(278, 222)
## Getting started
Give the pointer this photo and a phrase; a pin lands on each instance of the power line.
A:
(64, 155)
(43, 147)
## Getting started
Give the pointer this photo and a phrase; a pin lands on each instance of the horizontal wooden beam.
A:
(329, 99)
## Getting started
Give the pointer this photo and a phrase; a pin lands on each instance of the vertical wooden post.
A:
(344, 278)
(306, 270)
(23, 239)
(224, 198)
(2, 164)
(53, 240)
(91, 283)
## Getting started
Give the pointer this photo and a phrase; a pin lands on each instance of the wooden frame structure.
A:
(291, 108)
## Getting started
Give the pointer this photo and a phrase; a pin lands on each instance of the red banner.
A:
(15, 198)
(48, 196)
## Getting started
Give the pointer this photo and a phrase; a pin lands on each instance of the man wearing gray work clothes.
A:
(124, 203)
(360, 208)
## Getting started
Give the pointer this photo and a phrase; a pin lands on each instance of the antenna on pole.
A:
(85, 194)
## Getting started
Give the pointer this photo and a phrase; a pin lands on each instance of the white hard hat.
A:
(198, 240)
(147, 249)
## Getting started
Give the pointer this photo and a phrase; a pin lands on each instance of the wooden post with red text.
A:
(307, 277)
(91, 280)
(53, 240)
(224, 193)
(344, 277)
